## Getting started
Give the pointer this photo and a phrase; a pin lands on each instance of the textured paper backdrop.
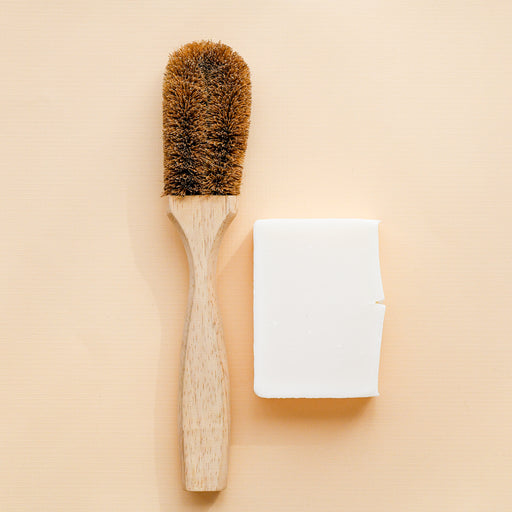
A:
(395, 110)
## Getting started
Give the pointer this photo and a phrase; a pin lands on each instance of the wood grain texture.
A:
(203, 428)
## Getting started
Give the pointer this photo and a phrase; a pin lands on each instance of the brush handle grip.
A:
(204, 383)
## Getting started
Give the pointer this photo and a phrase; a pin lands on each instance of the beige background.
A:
(396, 110)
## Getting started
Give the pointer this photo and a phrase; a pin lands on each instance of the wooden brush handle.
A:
(204, 384)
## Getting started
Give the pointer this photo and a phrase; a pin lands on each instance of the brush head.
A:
(206, 109)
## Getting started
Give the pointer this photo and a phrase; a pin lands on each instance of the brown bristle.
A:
(206, 109)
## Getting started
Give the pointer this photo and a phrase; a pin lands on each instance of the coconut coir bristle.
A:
(206, 110)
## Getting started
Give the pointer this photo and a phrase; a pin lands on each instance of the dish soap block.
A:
(317, 320)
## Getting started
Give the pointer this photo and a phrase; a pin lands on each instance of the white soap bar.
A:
(317, 324)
